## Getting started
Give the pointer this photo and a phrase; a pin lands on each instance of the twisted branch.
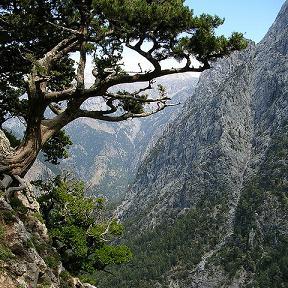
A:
(100, 115)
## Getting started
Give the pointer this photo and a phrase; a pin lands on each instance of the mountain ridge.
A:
(205, 198)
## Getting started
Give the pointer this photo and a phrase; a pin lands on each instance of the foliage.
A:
(52, 261)
(7, 216)
(38, 216)
(64, 277)
(2, 232)
(78, 229)
(169, 245)
(38, 76)
(17, 205)
(56, 147)
(5, 252)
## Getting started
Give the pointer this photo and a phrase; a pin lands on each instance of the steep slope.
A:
(27, 258)
(210, 199)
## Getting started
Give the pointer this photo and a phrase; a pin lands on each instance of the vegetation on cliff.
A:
(260, 242)
(174, 245)
(79, 229)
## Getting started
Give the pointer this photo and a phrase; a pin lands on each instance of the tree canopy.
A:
(38, 76)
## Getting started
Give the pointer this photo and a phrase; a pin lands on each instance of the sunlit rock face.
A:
(230, 136)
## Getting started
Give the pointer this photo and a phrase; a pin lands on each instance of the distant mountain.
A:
(106, 155)
(209, 204)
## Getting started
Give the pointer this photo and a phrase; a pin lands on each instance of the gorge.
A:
(208, 207)
(201, 188)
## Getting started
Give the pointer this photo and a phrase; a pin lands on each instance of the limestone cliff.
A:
(209, 204)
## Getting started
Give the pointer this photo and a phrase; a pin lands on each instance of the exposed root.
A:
(10, 190)
(5, 182)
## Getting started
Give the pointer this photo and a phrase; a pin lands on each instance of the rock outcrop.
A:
(27, 258)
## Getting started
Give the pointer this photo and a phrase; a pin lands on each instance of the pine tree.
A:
(38, 36)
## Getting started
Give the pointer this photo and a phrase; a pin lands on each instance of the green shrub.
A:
(17, 205)
(39, 245)
(52, 261)
(65, 275)
(7, 216)
(2, 232)
(64, 278)
(88, 278)
(38, 216)
(77, 228)
(5, 252)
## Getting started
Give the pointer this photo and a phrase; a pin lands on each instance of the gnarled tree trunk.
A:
(19, 160)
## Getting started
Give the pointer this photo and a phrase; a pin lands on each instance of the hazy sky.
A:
(252, 17)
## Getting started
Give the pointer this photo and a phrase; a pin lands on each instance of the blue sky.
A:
(252, 17)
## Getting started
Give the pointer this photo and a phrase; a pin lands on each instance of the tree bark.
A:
(18, 161)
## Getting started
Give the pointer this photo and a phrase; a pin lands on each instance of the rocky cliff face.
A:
(27, 258)
(213, 190)
(198, 145)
